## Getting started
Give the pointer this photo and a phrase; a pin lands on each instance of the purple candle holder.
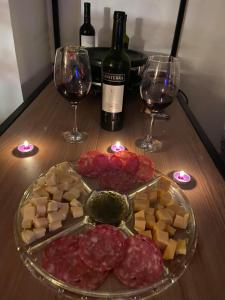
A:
(25, 147)
(181, 177)
(117, 147)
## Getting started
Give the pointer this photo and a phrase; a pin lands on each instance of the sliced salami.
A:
(101, 163)
(102, 248)
(129, 160)
(115, 163)
(145, 169)
(116, 180)
(85, 165)
(142, 265)
(62, 260)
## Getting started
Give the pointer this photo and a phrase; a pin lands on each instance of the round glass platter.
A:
(111, 288)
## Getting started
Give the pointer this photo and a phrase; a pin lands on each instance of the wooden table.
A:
(42, 124)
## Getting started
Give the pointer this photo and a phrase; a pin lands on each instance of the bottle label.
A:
(112, 98)
(88, 40)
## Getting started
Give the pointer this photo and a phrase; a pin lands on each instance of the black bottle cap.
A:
(118, 15)
(87, 4)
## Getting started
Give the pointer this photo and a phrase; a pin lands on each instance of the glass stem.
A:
(149, 136)
(75, 129)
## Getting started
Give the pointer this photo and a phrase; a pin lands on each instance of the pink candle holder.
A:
(25, 147)
(117, 147)
(181, 177)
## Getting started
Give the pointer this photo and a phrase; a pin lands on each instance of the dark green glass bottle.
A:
(115, 74)
(125, 37)
(87, 31)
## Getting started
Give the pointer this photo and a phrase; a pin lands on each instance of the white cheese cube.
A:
(64, 186)
(75, 191)
(28, 236)
(41, 210)
(55, 216)
(39, 232)
(64, 211)
(50, 178)
(68, 196)
(39, 200)
(40, 181)
(40, 222)
(54, 225)
(52, 206)
(26, 224)
(28, 212)
(40, 192)
(76, 211)
(75, 202)
(57, 195)
(51, 189)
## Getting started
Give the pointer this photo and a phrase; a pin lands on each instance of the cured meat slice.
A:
(117, 180)
(62, 260)
(142, 264)
(100, 163)
(115, 163)
(145, 169)
(129, 160)
(102, 248)
(85, 165)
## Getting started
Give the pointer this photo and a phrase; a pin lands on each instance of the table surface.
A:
(42, 124)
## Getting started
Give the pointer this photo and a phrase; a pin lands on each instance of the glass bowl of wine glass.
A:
(72, 78)
(159, 87)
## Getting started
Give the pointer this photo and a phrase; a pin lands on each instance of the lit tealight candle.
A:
(181, 177)
(25, 147)
(117, 147)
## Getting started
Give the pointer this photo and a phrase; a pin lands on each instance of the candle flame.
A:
(25, 143)
(118, 144)
(182, 173)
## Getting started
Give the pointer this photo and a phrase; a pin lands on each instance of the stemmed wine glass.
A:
(72, 77)
(159, 86)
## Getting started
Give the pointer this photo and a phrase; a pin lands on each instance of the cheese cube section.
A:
(139, 223)
(50, 178)
(39, 232)
(28, 212)
(39, 201)
(163, 215)
(164, 183)
(179, 210)
(181, 222)
(57, 195)
(152, 195)
(75, 191)
(171, 230)
(150, 221)
(160, 225)
(77, 211)
(52, 206)
(161, 238)
(64, 211)
(75, 202)
(28, 236)
(164, 198)
(27, 224)
(55, 216)
(181, 247)
(68, 196)
(54, 225)
(149, 211)
(147, 233)
(41, 210)
(170, 249)
(40, 222)
(51, 189)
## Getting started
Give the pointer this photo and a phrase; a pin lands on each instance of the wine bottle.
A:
(87, 31)
(115, 73)
(125, 37)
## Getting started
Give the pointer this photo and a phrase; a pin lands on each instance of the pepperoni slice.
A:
(142, 265)
(100, 163)
(129, 160)
(116, 180)
(102, 248)
(115, 163)
(145, 170)
(62, 260)
(85, 165)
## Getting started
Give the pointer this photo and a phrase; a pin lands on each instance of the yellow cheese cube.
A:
(139, 225)
(178, 209)
(164, 198)
(181, 247)
(161, 238)
(152, 195)
(164, 215)
(147, 233)
(171, 230)
(140, 215)
(150, 221)
(170, 249)
(141, 195)
(149, 211)
(181, 222)
(160, 225)
(140, 204)
(164, 183)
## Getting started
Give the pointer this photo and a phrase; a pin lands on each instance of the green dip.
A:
(107, 207)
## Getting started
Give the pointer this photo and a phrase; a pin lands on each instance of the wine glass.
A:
(72, 77)
(159, 86)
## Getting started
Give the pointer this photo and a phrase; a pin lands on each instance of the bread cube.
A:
(28, 236)
(50, 178)
(26, 224)
(28, 212)
(170, 249)
(64, 211)
(51, 189)
(40, 222)
(40, 192)
(55, 216)
(40, 181)
(57, 195)
(52, 206)
(39, 200)
(39, 232)
(181, 247)
(161, 238)
(41, 210)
